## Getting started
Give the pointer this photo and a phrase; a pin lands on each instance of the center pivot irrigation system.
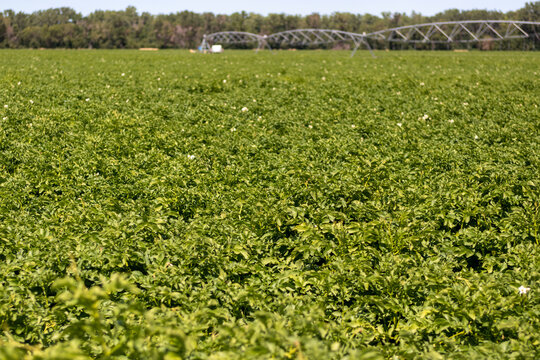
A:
(432, 33)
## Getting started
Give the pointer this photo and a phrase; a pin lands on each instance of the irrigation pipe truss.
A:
(438, 32)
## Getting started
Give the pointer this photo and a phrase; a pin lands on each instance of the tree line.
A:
(65, 28)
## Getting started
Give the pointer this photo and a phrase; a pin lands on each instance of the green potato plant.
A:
(291, 205)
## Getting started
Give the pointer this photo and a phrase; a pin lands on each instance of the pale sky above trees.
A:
(303, 7)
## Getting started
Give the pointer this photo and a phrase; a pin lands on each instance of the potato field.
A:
(285, 205)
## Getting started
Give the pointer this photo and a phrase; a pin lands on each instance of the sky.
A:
(302, 7)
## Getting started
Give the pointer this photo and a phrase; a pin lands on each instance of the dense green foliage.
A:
(65, 28)
(302, 205)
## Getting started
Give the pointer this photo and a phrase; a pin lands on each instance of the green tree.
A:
(64, 27)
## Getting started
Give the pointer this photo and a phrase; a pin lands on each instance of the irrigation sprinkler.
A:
(449, 32)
